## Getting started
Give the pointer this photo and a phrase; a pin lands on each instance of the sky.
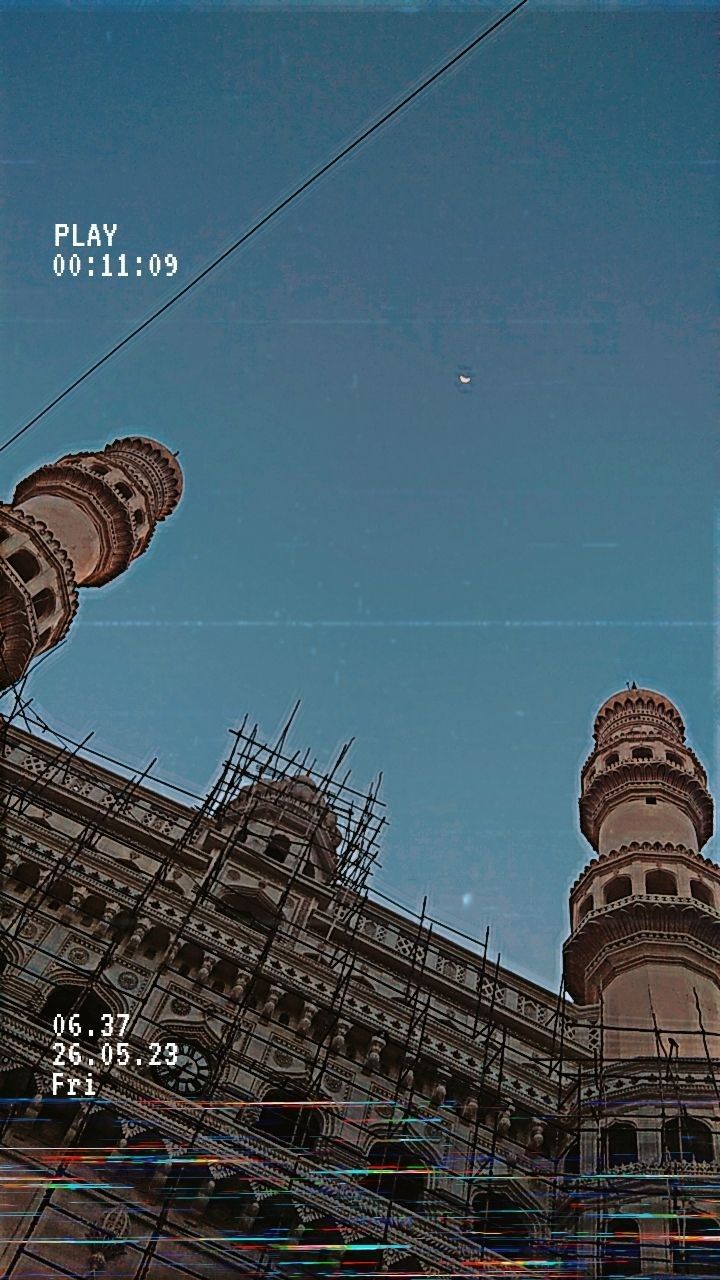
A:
(454, 579)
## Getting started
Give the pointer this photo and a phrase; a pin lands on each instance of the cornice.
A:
(656, 920)
(627, 852)
(614, 785)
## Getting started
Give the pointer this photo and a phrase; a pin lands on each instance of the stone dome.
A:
(633, 708)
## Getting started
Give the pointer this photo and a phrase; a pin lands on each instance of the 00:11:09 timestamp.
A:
(109, 264)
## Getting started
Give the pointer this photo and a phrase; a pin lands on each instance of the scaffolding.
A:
(353, 1102)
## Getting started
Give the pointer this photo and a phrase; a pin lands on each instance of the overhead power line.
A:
(262, 222)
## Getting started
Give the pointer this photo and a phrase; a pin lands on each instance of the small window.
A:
(59, 892)
(620, 1249)
(247, 910)
(672, 758)
(620, 887)
(586, 906)
(278, 848)
(123, 489)
(620, 1145)
(24, 564)
(701, 893)
(642, 753)
(612, 759)
(661, 882)
(688, 1139)
(651, 799)
(138, 518)
(98, 469)
(43, 603)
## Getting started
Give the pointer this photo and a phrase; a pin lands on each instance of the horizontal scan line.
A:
(349, 624)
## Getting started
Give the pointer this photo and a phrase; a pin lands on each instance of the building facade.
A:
(222, 1055)
(277, 1073)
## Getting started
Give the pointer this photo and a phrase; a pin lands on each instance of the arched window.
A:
(397, 1172)
(288, 1117)
(612, 759)
(365, 1258)
(24, 564)
(98, 469)
(138, 517)
(278, 848)
(59, 892)
(84, 1002)
(248, 910)
(688, 1139)
(27, 873)
(93, 906)
(189, 959)
(155, 942)
(43, 603)
(502, 1224)
(231, 1199)
(620, 1249)
(642, 753)
(672, 758)
(701, 893)
(143, 1154)
(660, 882)
(17, 1090)
(122, 924)
(571, 1159)
(277, 1218)
(322, 1249)
(224, 976)
(620, 1145)
(185, 1181)
(101, 1134)
(695, 1246)
(123, 489)
(409, 1266)
(620, 887)
(586, 906)
(56, 1115)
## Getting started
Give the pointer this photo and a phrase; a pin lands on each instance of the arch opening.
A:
(620, 887)
(702, 893)
(289, 1117)
(84, 1002)
(695, 1246)
(503, 1225)
(620, 1249)
(396, 1172)
(686, 1138)
(621, 1145)
(662, 882)
(25, 564)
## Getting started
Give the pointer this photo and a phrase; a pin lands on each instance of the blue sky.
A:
(456, 580)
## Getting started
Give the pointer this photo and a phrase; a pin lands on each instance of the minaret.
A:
(645, 913)
(78, 522)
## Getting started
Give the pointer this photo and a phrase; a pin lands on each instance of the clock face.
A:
(189, 1074)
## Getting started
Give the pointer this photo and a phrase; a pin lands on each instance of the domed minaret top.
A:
(637, 711)
(642, 781)
(77, 522)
